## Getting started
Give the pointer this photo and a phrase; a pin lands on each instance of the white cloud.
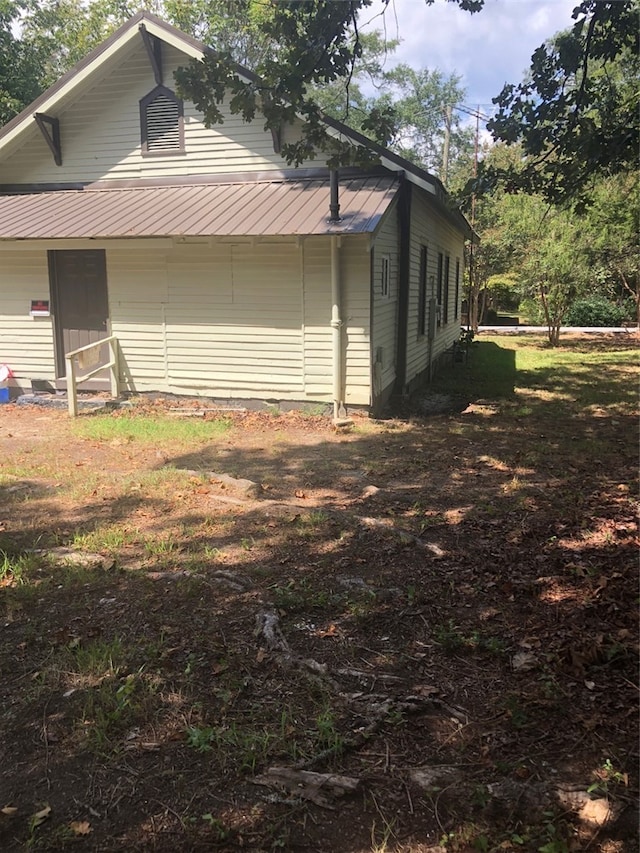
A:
(486, 50)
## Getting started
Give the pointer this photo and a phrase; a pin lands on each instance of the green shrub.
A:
(595, 311)
(530, 312)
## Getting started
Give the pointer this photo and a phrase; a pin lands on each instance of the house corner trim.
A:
(404, 268)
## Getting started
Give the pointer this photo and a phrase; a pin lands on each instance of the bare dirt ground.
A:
(436, 615)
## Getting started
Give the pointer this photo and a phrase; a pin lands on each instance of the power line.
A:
(475, 113)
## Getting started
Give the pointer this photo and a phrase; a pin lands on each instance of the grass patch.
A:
(147, 429)
(525, 370)
(15, 569)
(110, 539)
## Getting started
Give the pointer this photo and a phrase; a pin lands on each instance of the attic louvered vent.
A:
(161, 123)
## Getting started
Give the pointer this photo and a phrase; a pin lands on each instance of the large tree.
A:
(20, 72)
(429, 131)
(611, 238)
(576, 114)
(314, 43)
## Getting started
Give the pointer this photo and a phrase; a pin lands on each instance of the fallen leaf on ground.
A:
(80, 827)
(9, 811)
(424, 690)
(523, 661)
(41, 816)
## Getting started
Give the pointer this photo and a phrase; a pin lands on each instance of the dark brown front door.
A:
(80, 301)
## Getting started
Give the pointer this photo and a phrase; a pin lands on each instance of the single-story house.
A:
(216, 268)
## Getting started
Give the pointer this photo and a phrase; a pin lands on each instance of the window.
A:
(455, 304)
(422, 292)
(161, 123)
(439, 291)
(385, 277)
(445, 299)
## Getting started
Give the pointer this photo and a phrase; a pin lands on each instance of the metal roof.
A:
(299, 207)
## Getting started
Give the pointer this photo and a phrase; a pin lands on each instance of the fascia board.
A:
(60, 90)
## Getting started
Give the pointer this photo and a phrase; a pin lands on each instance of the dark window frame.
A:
(144, 105)
(445, 303)
(439, 290)
(457, 291)
(385, 277)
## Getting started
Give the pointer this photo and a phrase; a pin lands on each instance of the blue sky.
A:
(487, 50)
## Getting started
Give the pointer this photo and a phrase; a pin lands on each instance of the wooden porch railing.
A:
(87, 355)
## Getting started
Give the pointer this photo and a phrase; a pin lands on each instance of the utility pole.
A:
(475, 166)
(448, 117)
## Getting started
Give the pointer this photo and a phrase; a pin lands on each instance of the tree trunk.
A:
(483, 310)
(553, 323)
(634, 293)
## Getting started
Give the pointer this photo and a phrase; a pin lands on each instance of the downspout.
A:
(339, 410)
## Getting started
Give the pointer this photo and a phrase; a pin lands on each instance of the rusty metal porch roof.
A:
(269, 208)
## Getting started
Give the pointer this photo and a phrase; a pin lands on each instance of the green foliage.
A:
(200, 738)
(313, 43)
(547, 257)
(466, 337)
(530, 311)
(452, 640)
(421, 100)
(20, 76)
(343, 98)
(233, 27)
(576, 114)
(15, 569)
(595, 311)
(606, 778)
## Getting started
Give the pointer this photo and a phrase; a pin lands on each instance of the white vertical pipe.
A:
(336, 327)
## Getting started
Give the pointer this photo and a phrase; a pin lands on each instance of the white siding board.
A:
(100, 134)
(26, 343)
(356, 307)
(318, 336)
(385, 309)
(138, 291)
(240, 327)
(223, 320)
(430, 229)
(318, 347)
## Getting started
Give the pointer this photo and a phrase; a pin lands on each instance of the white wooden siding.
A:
(100, 134)
(430, 229)
(355, 257)
(318, 340)
(385, 308)
(247, 331)
(233, 320)
(222, 321)
(26, 343)
(318, 360)
(137, 282)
